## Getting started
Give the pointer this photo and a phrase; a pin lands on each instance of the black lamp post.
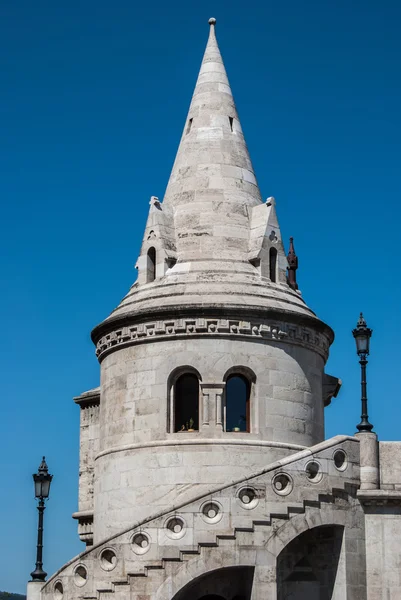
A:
(362, 335)
(42, 480)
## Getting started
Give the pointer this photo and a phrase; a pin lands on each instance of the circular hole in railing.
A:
(175, 528)
(340, 460)
(140, 543)
(211, 512)
(282, 484)
(58, 590)
(80, 575)
(248, 497)
(108, 559)
(313, 471)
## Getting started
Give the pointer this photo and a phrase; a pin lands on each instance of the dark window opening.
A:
(237, 403)
(231, 119)
(189, 125)
(186, 403)
(273, 264)
(151, 266)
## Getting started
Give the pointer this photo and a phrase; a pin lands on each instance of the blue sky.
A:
(94, 96)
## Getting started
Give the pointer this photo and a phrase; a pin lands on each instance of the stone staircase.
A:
(241, 536)
(237, 520)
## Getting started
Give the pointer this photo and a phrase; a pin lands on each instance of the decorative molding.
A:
(269, 329)
(85, 526)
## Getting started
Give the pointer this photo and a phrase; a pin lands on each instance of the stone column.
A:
(369, 460)
(33, 590)
(212, 405)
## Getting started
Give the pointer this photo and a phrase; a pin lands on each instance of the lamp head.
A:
(42, 480)
(362, 335)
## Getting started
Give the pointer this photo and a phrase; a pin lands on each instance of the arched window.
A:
(237, 405)
(273, 264)
(151, 266)
(186, 402)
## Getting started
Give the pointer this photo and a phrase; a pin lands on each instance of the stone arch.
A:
(226, 583)
(241, 370)
(313, 517)
(341, 513)
(199, 566)
(312, 565)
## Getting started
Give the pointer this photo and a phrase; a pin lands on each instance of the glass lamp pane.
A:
(38, 488)
(362, 342)
(45, 488)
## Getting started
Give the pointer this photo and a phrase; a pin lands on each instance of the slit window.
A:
(273, 265)
(189, 125)
(231, 120)
(186, 403)
(237, 405)
(151, 265)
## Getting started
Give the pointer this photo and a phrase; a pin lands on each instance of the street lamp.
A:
(362, 335)
(42, 480)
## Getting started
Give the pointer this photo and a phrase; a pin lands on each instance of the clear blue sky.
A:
(93, 98)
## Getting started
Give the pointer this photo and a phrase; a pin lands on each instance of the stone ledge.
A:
(379, 497)
(189, 440)
(91, 397)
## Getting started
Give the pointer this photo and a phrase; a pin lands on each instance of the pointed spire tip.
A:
(212, 21)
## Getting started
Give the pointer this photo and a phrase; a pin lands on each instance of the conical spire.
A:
(212, 182)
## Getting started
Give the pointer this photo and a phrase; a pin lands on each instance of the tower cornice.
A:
(229, 322)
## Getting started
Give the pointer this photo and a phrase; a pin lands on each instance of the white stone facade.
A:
(179, 500)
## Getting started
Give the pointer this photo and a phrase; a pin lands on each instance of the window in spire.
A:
(273, 264)
(231, 119)
(189, 126)
(151, 265)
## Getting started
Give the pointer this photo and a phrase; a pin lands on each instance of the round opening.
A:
(108, 559)
(340, 460)
(58, 590)
(140, 543)
(80, 575)
(175, 528)
(211, 512)
(282, 484)
(248, 497)
(313, 471)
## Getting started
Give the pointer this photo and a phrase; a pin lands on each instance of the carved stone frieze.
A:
(208, 326)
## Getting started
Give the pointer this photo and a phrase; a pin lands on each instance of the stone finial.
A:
(292, 259)
(212, 21)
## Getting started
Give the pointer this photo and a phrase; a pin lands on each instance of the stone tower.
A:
(203, 465)
(211, 303)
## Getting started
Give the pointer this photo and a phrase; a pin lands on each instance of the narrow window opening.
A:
(186, 403)
(151, 265)
(237, 403)
(231, 119)
(189, 125)
(273, 264)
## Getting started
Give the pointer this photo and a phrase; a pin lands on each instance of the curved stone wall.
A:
(141, 465)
